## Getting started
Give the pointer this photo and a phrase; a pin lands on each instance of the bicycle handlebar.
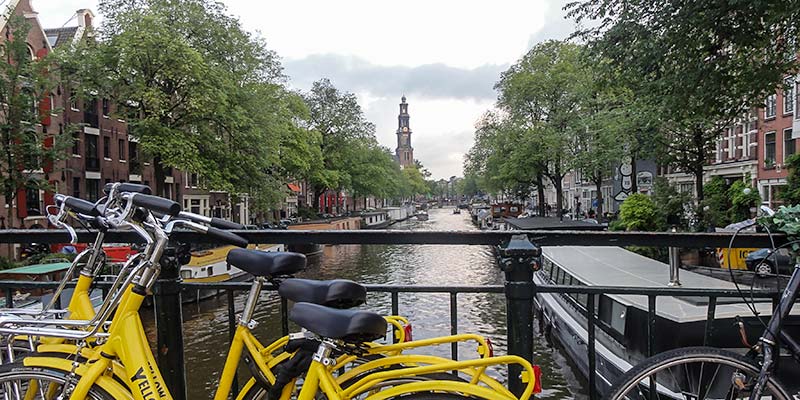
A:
(127, 187)
(155, 203)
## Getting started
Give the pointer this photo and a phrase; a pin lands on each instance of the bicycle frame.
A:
(768, 340)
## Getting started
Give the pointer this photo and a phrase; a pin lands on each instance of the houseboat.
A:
(209, 264)
(621, 320)
(399, 214)
(336, 224)
(375, 220)
(507, 210)
(422, 216)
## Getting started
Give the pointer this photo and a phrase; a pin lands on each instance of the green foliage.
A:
(791, 195)
(669, 203)
(24, 82)
(724, 205)
(638, 213)
(786, 220)
(46, 258)
(696, 65)
(201, 94)
(6, 263)
(743, 198)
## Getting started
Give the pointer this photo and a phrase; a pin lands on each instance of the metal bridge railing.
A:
(518, 257)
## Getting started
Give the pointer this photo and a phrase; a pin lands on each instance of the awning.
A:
(293, 187)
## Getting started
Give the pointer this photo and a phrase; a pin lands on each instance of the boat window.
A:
(559, 276)
(186, 274)
(228, 266)
(209, 270)
(612, 313)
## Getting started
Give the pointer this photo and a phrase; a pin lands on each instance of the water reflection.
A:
(206, 323)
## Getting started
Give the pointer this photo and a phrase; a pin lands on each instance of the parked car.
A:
(758, 262)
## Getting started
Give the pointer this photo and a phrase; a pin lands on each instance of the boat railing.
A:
(518, 257)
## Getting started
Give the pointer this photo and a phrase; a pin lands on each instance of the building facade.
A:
(779, 128)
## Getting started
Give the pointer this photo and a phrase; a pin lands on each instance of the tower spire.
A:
(404, 152)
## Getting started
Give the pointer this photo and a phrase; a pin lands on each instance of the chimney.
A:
(84, 17)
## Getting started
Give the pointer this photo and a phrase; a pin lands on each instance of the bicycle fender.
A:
(108, 384)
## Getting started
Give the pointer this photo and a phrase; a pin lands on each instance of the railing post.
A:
(169, 325)
(519, 258)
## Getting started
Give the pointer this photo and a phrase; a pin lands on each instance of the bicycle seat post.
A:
(250, 305)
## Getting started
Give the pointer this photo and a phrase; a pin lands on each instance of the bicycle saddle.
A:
(261, 263)
(352, 326)
(337, 293)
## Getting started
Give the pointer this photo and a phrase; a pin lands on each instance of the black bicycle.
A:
(710, 373)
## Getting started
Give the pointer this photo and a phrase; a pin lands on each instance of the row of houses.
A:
(755, 148)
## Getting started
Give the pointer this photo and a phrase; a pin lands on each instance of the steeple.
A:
(404, 152)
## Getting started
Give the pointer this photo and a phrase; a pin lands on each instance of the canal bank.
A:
(206, 323)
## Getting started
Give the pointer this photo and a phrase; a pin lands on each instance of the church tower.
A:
(404, 152)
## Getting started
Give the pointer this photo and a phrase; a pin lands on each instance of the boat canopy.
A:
(615, 266)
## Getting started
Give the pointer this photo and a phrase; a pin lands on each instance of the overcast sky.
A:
(444, 55)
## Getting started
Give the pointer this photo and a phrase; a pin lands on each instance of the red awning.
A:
(294, 187)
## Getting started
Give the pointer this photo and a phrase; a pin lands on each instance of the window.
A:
(107, 147)
(73, 100)
(121, 149)
(769, 150)
(105, 107)
(788, 95)
(788, 144)
(191, 180)
(771, 107)
(92, 189)
(76, 187)
(76, 143)
(731, 143)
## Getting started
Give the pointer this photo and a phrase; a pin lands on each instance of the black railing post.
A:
(169, 325)
(518, 259)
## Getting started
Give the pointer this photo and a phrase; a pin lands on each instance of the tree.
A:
(542, 95)
(187, 72)
(791, 194)
(699, 64)
(638, 213)
(29, 153)
(344, 133)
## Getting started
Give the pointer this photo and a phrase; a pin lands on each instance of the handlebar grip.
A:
(128, 187)
(228, 237)
(225, 224)
(81, 206)
(155, 203)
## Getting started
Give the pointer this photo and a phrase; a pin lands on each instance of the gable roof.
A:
(60, 36)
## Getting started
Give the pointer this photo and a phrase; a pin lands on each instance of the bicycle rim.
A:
(36, 383)
(696, 377)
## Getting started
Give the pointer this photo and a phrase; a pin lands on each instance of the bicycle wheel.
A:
(20, 382)
(694, 373)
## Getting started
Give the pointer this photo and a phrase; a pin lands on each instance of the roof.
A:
(548, 223)
(60, 36)
(615, 266)
(37, 269)
(293, 187)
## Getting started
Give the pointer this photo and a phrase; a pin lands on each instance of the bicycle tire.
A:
(431, 396)
(16, 376)
(674, 373)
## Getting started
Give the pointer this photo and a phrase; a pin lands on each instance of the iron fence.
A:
(518, 257)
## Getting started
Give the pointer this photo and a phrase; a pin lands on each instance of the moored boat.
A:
(456, 210)
(209, 265)
(621, 320)
(375, 220)
(314, 249)
(422, 216)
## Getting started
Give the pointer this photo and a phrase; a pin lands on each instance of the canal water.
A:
(206, 324)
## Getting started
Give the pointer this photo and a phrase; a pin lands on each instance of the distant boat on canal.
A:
(456, 210)
(621, 320)
(375, 219)
(337, 224)
(422, 216)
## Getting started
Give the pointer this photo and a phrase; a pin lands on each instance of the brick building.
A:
(778, 140)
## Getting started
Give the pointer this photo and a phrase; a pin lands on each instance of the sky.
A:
(444, 56)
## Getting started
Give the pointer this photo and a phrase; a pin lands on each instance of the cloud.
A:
(556, 24)
(436, 81)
